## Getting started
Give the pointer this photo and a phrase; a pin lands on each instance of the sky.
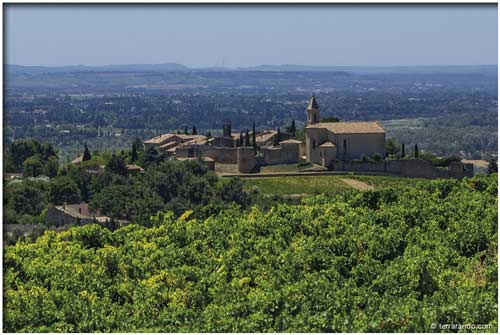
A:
(248, 35)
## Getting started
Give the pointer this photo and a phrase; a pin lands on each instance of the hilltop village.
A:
(337, 146)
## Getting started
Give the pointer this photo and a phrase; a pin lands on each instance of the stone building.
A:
(330, 141)
(169, 142)
(74, 214)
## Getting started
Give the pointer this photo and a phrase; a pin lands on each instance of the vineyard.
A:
(399, 259)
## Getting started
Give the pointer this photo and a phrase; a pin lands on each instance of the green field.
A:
(387, 181)
(319, 184)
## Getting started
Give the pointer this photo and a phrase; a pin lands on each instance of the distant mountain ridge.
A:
(171, 67)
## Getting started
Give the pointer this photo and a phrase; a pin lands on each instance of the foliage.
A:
(392, 147)
(63, 190)
(86, 154)
(33, 166)
(393, 260)
(492, 166)
(116, 164)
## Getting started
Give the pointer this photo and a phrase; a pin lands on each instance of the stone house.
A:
(74, 214)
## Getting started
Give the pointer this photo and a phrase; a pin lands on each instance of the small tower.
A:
(312, 111)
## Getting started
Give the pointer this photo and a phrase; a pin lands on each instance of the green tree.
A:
(116, 164)
(247, 138)
(416, 151)
(293, 129)
(402, 150)
(277, 138)
(63, 190)
(194, 132)
(133, 156)
(186, 131)
(33, 166)
(86, 154)
(51, 167)
(492, 166)
(330, 119)
(26, 197)
(392, 147)
(254, 141)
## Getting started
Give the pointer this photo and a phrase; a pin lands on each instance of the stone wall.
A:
(284, 154)
(413, 168)
(60, 218)
(272, 156)
(246, 160)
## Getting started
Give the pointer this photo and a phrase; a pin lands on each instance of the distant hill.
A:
(171, 67)
(106, 68)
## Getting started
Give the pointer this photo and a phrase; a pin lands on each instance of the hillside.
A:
(403, 259)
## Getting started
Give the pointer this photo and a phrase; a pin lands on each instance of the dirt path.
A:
(358, 184)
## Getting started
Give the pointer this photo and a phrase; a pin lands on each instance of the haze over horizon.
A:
(234, 36)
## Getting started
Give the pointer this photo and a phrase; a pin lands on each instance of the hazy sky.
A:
(251, 35)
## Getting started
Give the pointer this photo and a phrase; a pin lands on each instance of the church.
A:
(330, 141)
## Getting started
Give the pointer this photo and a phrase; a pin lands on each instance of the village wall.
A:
(413, 168)
(246, 159)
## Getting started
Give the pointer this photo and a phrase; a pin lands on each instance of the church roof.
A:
(312, 103)
(372, 127)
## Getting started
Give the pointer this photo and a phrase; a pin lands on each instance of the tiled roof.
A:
(291, 141)
(372, 127)
(161, 139)
(327, 144)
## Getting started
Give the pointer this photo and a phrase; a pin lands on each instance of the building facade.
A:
(330, 141)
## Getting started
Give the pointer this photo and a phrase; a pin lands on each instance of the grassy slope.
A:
(320, 184)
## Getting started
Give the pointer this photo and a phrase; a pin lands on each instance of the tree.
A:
(139, 145)
(209, 134)
(26, 198)
(194, 132)
(63, 190)
(391, 147)
(133, 155)
(33, 166)
(492, 166)
(330, 119)
(254, 141)
(86, 154)
(416, 151)
(232, 191)
(51, 167)
(247, 138)
(293, 129)
(153, 155)
(116, 164)
(186, 131)
(277, 138)
(402, 150)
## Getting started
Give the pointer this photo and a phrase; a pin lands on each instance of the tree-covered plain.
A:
(398, 259)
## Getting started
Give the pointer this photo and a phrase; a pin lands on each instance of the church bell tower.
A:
(312, 111)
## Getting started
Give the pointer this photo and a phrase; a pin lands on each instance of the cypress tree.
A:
(133, 156)
(253, 135)
(277, 138)
(194, 131)
(209, 134)
(185, 130)
(416, 151)
(293, 129)
(86, 154)
(247, 138)
(402, 150)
